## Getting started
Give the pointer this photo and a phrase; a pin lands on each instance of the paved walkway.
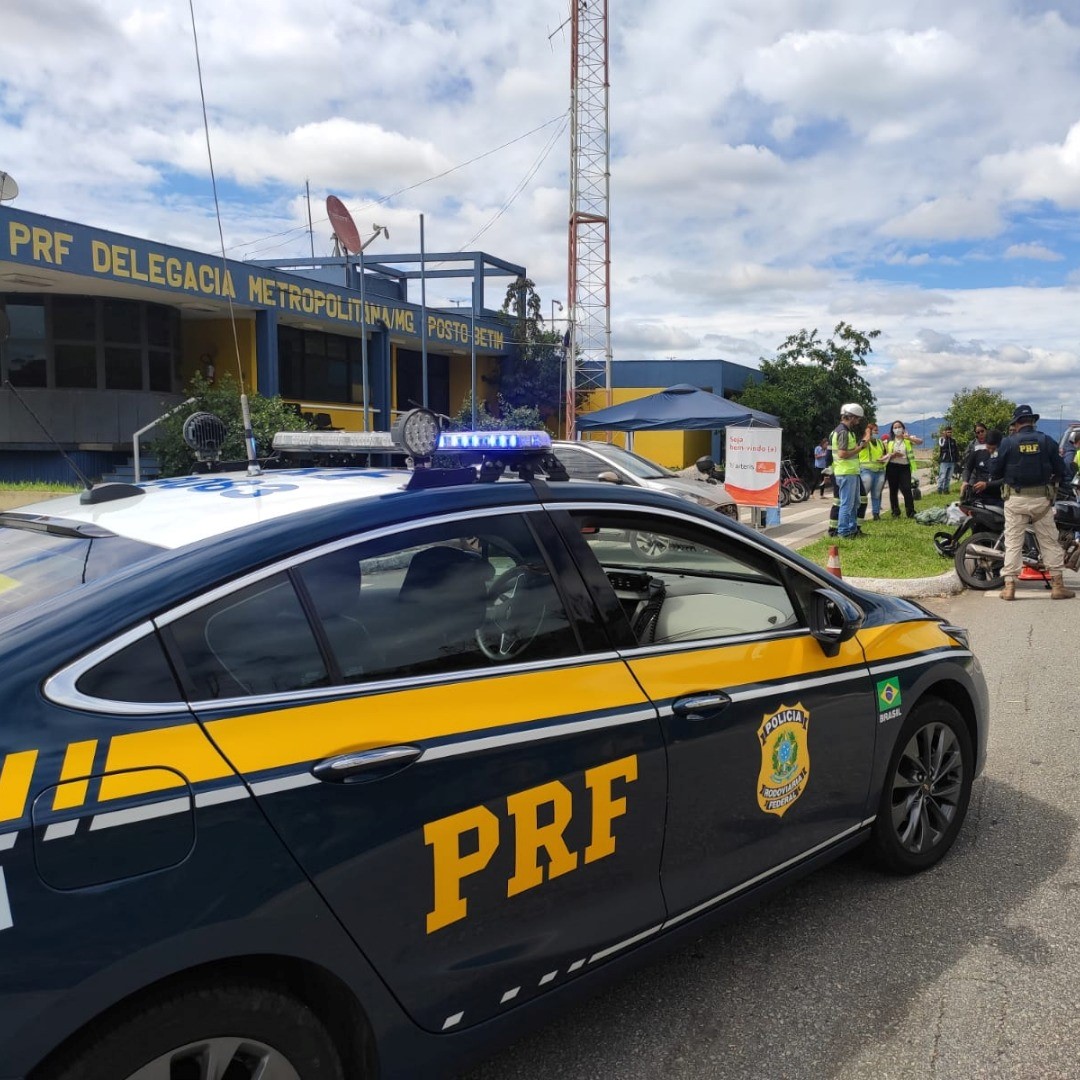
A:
(801, 523)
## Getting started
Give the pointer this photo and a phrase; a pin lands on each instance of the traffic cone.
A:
(833, 565)
(1029, 573)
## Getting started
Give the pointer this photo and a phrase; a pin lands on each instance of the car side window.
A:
(580, 465)
(256, 640)
(466, 594)
(677, 582)
(138, 672)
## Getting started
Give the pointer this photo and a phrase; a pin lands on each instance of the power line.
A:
(524, 182)
(288, 233)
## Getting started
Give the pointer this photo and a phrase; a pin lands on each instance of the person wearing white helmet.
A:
(846, 445)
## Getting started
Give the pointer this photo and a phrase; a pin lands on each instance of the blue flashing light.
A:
(520, 441)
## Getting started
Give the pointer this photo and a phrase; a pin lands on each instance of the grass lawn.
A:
(37, 485)
(892, 548)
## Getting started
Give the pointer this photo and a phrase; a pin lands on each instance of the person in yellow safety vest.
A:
(846, 445)
(900, 467)
(872, 472)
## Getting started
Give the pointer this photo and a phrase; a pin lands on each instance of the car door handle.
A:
(701, 706)
(365, 764)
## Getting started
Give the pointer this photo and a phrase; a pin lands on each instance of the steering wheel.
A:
(515, 615)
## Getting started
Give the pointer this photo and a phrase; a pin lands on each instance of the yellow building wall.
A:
(674, 449)
(461, 380)
(210, 341)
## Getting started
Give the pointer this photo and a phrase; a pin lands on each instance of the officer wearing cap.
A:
(846, 446)
(1029, 464)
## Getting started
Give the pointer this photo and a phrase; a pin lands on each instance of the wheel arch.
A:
(957, 695)
(323, 992)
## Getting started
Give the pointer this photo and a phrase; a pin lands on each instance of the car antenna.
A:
(99, 494)
(253, 468)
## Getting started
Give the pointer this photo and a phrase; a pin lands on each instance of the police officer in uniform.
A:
(1031, 467)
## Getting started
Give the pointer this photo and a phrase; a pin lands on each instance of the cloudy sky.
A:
(906, 165)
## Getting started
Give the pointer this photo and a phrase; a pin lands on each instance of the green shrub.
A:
(269, 415)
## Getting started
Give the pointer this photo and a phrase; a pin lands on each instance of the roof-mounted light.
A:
(495, 441)
(336, 442)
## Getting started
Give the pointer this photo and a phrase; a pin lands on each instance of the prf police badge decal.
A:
(785, 758)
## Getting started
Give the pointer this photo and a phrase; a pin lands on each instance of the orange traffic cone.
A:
(833, 565)
(1029, 573)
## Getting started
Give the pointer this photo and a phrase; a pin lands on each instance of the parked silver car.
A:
(613, 464)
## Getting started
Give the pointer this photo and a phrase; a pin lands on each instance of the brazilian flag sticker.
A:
(888, 695)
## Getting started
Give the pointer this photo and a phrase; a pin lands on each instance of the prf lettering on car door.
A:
(451, 865)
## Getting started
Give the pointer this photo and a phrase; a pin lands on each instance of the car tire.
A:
(232, 1030)
(927, 788)
(978, 571)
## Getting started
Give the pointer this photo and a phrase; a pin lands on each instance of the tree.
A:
(980, 405)
(533, 376)
(269, 415)
(506, 417)
(808, 382)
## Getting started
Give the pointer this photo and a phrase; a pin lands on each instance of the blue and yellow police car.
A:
(328, 772)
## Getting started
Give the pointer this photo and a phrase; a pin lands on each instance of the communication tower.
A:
(588, 354)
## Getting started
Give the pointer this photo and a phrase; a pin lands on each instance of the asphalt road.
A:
(968, 971)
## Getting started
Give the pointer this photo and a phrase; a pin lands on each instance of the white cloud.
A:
(1038, 252)
(951, 217)
(1045, 171)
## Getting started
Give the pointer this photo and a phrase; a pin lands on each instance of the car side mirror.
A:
(833, 619)
(609, 478)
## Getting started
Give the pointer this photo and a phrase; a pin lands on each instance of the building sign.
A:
(32, 240)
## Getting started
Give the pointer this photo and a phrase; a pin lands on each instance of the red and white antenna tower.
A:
(588, 355)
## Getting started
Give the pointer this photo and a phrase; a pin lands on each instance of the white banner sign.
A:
(752, 465)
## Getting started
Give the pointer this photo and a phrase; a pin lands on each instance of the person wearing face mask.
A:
(900, 468)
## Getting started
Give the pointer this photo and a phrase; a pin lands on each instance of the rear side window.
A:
(139, 672)
(467, 594)
(36, 565)
(254, 641)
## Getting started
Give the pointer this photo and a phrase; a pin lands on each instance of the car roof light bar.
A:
(337, 442)
(487, 441)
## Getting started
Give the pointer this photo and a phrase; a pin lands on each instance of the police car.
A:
(325, 772)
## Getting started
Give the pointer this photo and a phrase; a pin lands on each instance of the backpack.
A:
(1029, 464)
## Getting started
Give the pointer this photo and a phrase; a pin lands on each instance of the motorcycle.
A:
(980, 559)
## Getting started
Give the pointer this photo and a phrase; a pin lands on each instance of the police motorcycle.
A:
(980, 559)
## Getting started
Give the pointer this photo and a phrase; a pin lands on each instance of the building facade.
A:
(104, 332)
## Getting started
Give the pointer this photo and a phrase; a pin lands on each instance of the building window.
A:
(89, 343)
(75, 366)
(25, 351)
(313, 366)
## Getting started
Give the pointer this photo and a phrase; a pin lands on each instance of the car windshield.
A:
(39, 562)
(634, 464)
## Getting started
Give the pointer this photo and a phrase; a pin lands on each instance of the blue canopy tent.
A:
(679, 407)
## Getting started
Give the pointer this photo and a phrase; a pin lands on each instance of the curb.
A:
(947, 584)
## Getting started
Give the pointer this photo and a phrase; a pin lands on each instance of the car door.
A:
(770, 741)
(456, 756)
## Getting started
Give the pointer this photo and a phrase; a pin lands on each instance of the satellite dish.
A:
(8, 188)
(344, 226)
